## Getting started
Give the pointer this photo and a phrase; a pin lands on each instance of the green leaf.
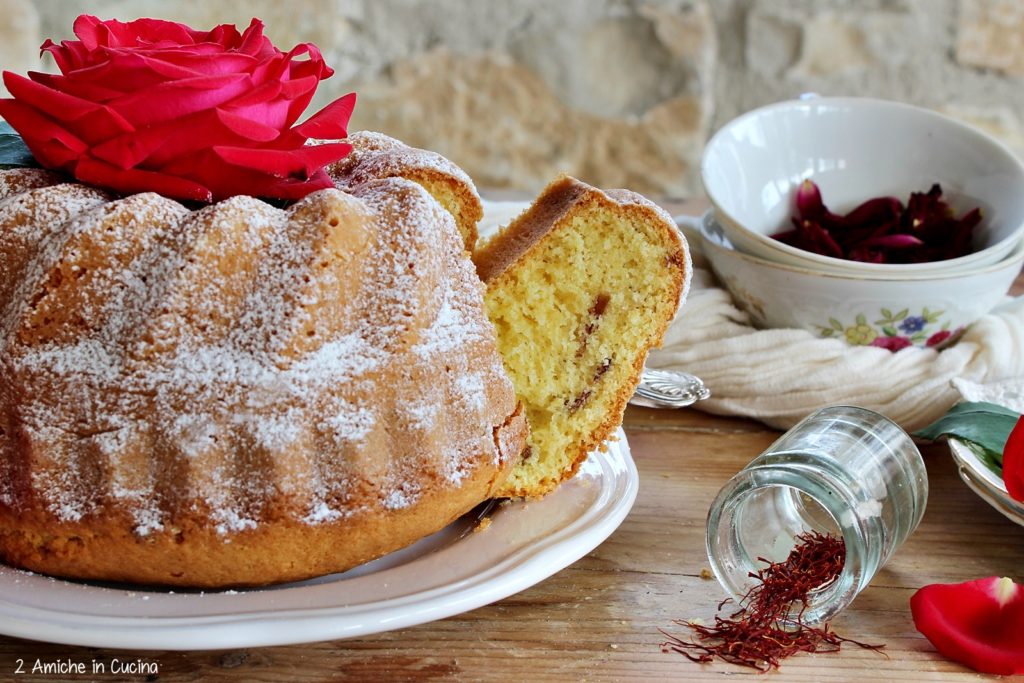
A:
(887, 313)
(991, 460)
(985, 424)
(836, 324)
(826, 331)
(13, 152)
(889, 331)
(903, 314)
(861, 320)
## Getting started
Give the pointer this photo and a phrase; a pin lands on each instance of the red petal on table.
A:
(1013, 461)
(978, 623)
(133, 180)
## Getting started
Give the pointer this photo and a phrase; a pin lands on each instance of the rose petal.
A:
(808, 200)
(134, 180)
(978, 623)
(881, 230)
(899, 241)
(155, 105)
(88, 120)
(1013, 461)
(160, 144)
(874, 211)
(81, 89)
(225, 179)
(112, 33)
(51, 144)
(175, 99)
(302, 162)
(331, 122)
(814, 234)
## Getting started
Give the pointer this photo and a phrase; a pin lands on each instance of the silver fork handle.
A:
(668, 389)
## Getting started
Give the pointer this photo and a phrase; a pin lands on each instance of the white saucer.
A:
(983, 481)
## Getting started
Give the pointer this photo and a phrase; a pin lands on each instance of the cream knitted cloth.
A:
(779, 376)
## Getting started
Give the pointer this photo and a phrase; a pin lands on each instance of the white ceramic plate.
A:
(453, 571)
(983, 481)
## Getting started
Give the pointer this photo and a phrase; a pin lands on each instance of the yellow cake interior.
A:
(575, 316)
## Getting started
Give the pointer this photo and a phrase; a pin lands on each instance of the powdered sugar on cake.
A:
(144, 327)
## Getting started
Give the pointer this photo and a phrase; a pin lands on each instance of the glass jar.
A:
(844, 471)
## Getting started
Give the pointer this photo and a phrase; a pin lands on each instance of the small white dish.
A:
(926, 310)
(985, 482)
(453, 571)
(856, 149)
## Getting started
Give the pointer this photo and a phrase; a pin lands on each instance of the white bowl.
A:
(856, 149)
(922, 310)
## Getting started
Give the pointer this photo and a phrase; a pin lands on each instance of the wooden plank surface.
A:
(598, 619)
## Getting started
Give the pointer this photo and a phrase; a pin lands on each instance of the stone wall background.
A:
(622, 93)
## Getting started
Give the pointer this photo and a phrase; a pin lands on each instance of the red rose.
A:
(153, 105)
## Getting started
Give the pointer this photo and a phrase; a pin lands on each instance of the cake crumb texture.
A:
(579, 288)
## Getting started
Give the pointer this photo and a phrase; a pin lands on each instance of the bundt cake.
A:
(240, 394)
(579, 287)
(375, 155)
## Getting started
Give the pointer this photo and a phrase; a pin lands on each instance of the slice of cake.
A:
(375, 155)
(579, 287)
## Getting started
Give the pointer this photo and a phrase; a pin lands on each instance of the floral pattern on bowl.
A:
(895, 331)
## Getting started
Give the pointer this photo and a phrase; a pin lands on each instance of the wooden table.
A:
(599, 618)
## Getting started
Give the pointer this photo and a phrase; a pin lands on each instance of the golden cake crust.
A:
(375, 155)
(239, 395)
(502, 263)
(195, 554)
